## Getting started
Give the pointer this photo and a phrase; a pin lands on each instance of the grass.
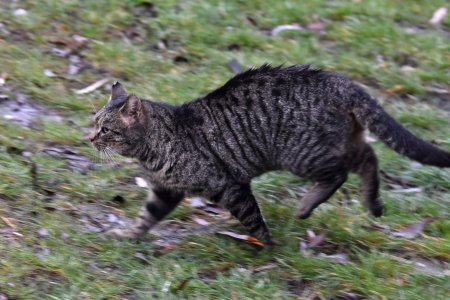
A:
(176, 51)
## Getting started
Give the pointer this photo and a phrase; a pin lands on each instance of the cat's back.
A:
(246, 123)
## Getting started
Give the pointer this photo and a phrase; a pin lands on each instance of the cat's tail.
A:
(371, 115)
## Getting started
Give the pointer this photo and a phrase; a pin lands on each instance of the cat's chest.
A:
(189, 175)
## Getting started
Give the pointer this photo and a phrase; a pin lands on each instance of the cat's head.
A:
(120, 124)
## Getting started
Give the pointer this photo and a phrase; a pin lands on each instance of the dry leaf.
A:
(316, 26)
(242, 237)
(42, 233)
(265, 268)
(196, 202)
(49, 73)
(438, 15)
(280, 28)
(341, 258)
(413, 230)
(396, 89)
(380, 227)
(201, 221)
(3, 297)
(10, 222)
(303, 248)
(410, 190)
(3, 78)
(141, 257)
(92, 87)
(20, 12)
(316, 240)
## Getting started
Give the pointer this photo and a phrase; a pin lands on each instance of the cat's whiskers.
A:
(111, 156)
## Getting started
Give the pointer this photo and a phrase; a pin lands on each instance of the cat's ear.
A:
(117, 91)
(132, 110)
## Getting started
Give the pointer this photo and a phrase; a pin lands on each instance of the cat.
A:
(303, 120)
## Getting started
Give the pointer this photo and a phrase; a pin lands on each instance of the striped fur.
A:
(306, 121)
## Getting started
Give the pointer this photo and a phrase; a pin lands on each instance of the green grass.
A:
(369, 41)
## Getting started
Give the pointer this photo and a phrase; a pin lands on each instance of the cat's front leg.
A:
(239, 200)
(160, 202)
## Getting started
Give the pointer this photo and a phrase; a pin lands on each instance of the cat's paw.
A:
(304, 212)
(378, 210)
(124, 233)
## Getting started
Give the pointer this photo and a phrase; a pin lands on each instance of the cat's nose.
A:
(92, 136)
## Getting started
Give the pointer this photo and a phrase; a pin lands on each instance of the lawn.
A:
(58, 195)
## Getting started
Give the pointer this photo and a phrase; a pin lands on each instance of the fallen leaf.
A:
(413, 230)
(242, 237)
(396, 89)
(10, 222)
(49, 73)
(201, 221)
(409, 190)
(280, 28)
(316, 26)
(196, 202)
(303, 248)
(438, 15)
(341, 258)
(265, 268)
(214, 210)
(3, 78)
(408, 69)
(348, 296)
(60, 52)
(20, 12)
(141, 182)
(92, 87)
(141, 257)
(235, 65)
(3, 297)
(316, 240)
(380, 227)
(43, 233)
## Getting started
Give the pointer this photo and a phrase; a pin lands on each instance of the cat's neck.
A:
(159, 136)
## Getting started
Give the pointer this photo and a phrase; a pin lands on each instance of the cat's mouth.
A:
(99, 146)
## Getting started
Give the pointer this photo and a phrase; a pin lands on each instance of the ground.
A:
(57, 195)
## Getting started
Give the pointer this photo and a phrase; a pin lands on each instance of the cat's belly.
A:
(192, 181)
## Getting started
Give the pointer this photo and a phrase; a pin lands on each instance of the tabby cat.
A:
(307, 121)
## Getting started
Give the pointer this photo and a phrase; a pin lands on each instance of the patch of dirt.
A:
(167, 235)
(22, 111)
(76, 161)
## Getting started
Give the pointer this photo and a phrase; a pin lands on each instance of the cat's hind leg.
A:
(319, 193)
(160, 202)
(239, 200)
(367, 167)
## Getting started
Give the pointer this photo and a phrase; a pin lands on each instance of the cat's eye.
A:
(104, 130)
